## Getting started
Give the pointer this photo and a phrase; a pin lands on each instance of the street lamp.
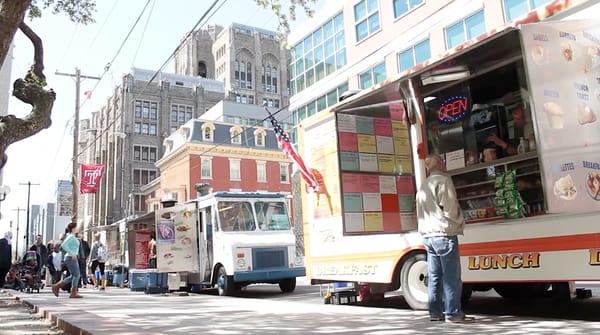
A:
(4, 191)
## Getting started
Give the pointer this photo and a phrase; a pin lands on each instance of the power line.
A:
(109, 64)
(112, 8)
(143, 33)
(206, 13)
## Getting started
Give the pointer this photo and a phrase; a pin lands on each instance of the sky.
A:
(46, 157)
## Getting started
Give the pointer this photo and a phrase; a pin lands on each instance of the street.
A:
(263, 309)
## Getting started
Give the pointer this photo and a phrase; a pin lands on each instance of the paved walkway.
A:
(120, 311)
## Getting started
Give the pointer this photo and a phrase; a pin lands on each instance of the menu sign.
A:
(376, 183)
(563, 65)
(176, 239)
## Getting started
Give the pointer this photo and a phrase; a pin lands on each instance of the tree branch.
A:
(38, 56)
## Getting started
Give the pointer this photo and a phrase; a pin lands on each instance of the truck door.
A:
(205, 243)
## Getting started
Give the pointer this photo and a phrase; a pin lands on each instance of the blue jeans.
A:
(73, 267)
(444, 283)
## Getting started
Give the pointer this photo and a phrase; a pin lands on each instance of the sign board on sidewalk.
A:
(176, 239)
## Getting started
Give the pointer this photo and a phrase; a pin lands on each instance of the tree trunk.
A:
(29, 90)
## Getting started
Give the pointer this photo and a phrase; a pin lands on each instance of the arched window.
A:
(274, 80)
(249, 75)
(262, 79)
(236, 135)
(202, 69)
(208, 132)
(243, 75)
(237, 73)
(259, 137)
(268, 75)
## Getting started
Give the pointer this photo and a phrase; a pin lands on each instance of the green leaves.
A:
(285, 17)
(79, 11)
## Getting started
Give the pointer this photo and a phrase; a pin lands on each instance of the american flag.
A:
(284, 141)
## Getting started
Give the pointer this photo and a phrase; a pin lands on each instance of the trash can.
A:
(119, 275)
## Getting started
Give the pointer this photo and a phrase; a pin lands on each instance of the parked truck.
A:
(514, 113)
(229, 240)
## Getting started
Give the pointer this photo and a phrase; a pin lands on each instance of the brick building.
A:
(230, 157)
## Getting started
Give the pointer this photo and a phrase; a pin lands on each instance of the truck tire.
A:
(413, 281)
(288, 285)
(225, 285)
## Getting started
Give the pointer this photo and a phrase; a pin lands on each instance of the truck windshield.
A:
(271, 215)
(236, 216)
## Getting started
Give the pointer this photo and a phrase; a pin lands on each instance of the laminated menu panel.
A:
(373, 222)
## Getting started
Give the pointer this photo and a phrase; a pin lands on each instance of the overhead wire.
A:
(164, 64)
(143, 33)
(89, 47)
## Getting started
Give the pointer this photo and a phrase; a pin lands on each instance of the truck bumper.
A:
(268, 275)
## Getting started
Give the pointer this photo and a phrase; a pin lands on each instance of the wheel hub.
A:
(417, 281)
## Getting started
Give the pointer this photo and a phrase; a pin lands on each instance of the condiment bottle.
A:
(522, 148)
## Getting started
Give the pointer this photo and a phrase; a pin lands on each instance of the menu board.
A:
(142, 251)
(563, 65)
(378, 189)
(176, 239)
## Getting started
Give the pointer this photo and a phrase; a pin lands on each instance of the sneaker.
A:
(102, 289)
(460, 319)
(437, 318)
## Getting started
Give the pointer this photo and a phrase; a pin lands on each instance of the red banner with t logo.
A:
(90, 177)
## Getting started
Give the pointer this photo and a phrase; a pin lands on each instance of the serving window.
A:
(477, 116)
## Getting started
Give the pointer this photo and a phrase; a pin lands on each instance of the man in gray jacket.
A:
(440, 221)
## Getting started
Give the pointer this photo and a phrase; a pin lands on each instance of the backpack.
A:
(102, 254)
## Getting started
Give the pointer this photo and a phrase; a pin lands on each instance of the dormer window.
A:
(208, 132)
(236, 135)
(259, 137)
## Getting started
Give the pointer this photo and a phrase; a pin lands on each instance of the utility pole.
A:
(27, 232)
(19, 210)
(75, 196)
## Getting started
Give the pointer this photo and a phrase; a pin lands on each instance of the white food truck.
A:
(229, 240)
(515, 114)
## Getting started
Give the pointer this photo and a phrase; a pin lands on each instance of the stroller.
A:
(29, 274)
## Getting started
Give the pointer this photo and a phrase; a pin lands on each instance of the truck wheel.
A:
(225, 284)
(413, 281)
(288, 285)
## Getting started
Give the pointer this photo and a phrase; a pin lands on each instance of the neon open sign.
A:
(453, 109)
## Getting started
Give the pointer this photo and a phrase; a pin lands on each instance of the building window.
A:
(366, 18)
(465, 29)
(309, 109)
(208, 132)
(259, 137)
(180, 114)
(146, 109)
(236, 135)
(402, 7)
(516, 8)
(236, 75)
(139, 203)
(416, 54)
(137, 128)
(234, 169)
(202, 69)
(284, 173)
(142, 153)
(142, 177)
(261, 171)
(206, 168)
(373, 76)
(320, 54)
(249, 75)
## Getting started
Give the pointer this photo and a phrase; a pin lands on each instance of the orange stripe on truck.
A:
(554, 243)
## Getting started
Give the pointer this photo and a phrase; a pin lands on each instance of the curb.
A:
(62, 324)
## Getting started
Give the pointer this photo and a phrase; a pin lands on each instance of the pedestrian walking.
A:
(98, 257)
(40, 248)
(84, 253)
(5, 256)
(440, 222)
(55, 263)
(70, 246)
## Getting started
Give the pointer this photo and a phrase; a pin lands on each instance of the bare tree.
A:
(32, 88)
